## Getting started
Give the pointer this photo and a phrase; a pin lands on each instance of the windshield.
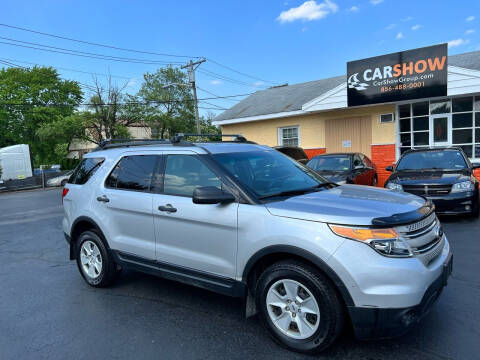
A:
(267, 173)
(445, 160)
(330, 163)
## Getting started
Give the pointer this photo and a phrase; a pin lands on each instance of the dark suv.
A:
(443, 175)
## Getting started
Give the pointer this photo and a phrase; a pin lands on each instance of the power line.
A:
(211, 93)
(135, 50)
(241, 73)
(97, 44)
(81, 54)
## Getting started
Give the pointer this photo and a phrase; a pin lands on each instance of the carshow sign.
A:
(406, 75)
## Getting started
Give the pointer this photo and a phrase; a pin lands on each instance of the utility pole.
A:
(192, 66)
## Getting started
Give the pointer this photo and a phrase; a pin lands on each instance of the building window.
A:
(443, 122)
(386, 118)
(289, 136)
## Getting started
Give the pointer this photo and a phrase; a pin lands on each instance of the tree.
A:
(30, 99)
(168, 109)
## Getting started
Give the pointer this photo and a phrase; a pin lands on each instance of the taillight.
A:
(64, 192)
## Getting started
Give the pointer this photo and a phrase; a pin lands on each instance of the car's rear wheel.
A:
(299, 306)
(94, 260)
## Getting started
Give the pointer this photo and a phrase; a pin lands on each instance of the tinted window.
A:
(184, 173)
(462, 104)
(133, 173)
(85, 170)
(330, 163)
(268, 172)
(449, 159)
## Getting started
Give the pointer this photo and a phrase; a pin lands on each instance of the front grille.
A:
(428, 190)
(425, 237)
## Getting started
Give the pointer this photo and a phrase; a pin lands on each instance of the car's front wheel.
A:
(94, 260)
(299, 306)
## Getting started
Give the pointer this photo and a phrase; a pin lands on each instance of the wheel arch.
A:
(271, 254)
(80, 225)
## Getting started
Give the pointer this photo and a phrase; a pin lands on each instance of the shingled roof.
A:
(292, 97)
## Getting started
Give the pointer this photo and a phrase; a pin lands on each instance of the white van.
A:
(15, 162)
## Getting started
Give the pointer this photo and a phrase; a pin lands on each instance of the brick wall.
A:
(313, 152)
(477, 173)
(383, 156)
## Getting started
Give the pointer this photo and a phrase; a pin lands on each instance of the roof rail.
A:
(114, 143)
(236, 137)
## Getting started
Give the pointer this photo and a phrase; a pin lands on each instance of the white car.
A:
(60, 180)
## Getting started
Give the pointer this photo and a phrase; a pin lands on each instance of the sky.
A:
(259, 43)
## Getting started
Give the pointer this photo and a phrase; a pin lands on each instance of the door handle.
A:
(167, 208)
(103, 198)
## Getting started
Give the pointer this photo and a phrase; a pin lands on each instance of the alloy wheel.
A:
(293, 309)
(91, 259)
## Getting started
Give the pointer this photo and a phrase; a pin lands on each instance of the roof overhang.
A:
(461, 81)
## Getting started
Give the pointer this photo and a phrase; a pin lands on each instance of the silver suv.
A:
(245, 220)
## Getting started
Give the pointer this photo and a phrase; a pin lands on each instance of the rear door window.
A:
(85, 170)
(135, 173)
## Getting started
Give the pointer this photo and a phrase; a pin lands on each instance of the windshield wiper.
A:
(298, 191)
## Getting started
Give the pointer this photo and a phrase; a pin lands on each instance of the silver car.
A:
(246, 221)
(60, 180)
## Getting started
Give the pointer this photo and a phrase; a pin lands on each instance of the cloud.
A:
(375, 2)
(390, 27)
(458, 42)
(470, 18)
(416, 27)
(216, 82)
(132, 82)
(304, 29)
(308, 11)
(354, 9)
(258, 83)
(399, 36)
(469, 31)
(408, 18)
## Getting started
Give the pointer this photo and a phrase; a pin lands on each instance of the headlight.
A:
(384, 241)
(394, 186)
(462, 186)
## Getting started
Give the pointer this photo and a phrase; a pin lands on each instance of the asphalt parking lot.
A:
(48, 311)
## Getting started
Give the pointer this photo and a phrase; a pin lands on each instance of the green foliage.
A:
(31, 99)
(170, 109)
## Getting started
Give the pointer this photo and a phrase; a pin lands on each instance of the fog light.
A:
(467, 207)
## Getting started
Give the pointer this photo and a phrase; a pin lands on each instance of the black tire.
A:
(108, 271)
(329, 303)
(63, 183)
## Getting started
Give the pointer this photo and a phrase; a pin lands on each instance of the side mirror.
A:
(389, 168)
(211, 195)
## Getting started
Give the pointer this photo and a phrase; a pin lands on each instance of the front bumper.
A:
(378, 323)
(453, 203)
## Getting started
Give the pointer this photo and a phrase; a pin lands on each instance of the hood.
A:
(353, 205)
(427, 177)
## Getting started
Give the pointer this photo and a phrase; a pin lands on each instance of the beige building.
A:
(78, 148)
(315, 115)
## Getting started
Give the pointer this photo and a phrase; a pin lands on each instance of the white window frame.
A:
(280, 134)
(386, 122)
(474, 129)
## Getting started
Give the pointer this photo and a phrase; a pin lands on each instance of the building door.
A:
(440, 134)
(349, 135)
